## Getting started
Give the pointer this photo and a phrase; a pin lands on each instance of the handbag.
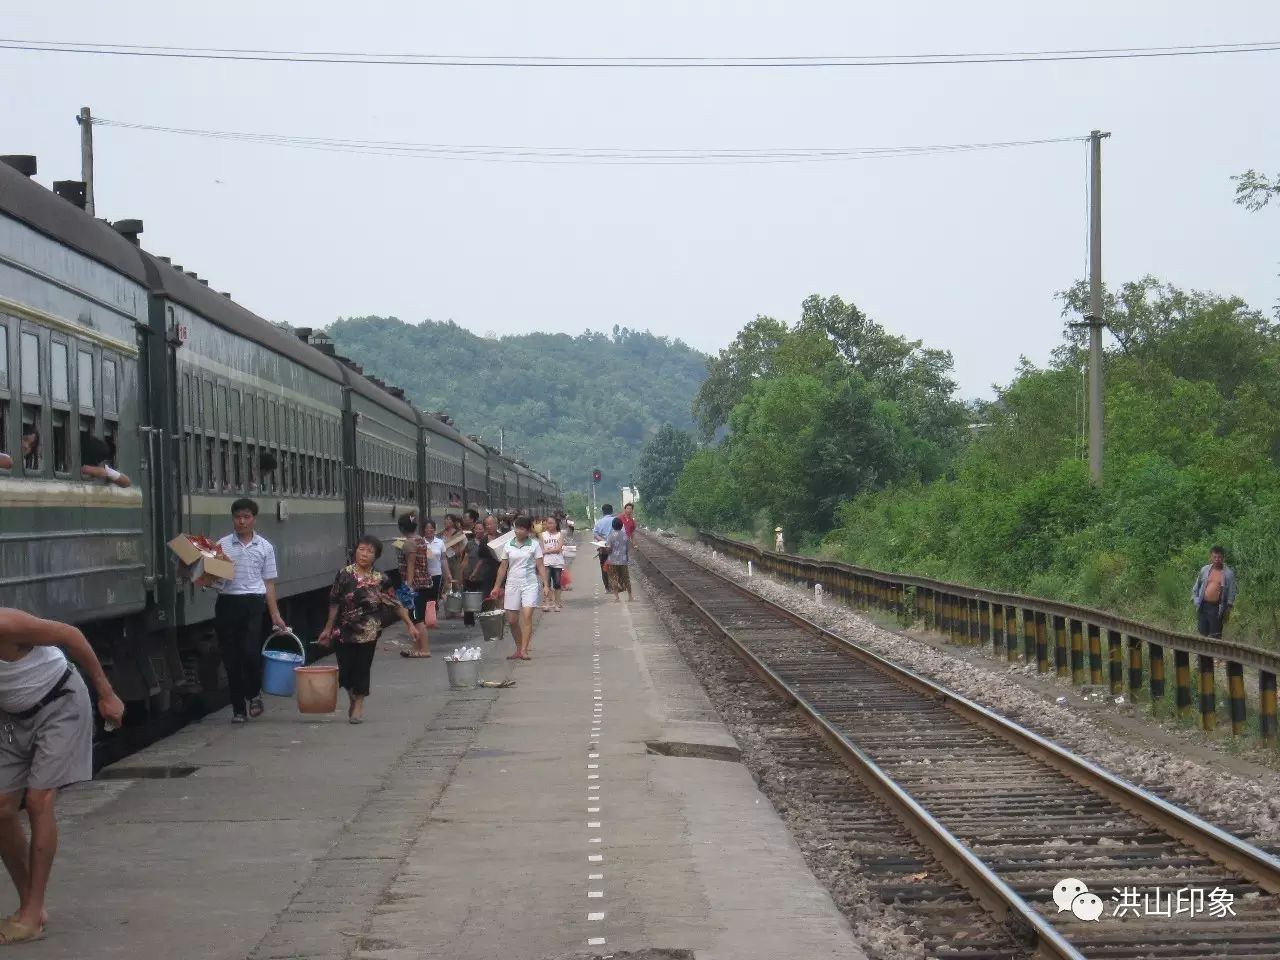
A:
(429, 614)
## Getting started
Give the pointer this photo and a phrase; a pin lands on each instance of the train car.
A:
(73, 319)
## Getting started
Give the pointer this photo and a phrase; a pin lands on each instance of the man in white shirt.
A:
(436, 567)
(237, 616)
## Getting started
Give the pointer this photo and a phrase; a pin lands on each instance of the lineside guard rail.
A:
(1054, 636)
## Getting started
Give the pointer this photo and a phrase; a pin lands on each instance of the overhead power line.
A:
(631, 62)
(515, 153)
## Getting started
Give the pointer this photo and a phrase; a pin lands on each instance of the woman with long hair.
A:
(360, 601)
(553, 558)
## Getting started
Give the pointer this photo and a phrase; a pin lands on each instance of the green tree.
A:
(1254, 191)
(731, 373)
(704, 494)
(659, 466)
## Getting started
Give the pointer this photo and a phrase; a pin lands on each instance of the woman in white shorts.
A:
(522, 577)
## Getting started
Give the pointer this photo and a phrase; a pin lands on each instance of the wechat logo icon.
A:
(1072, 894)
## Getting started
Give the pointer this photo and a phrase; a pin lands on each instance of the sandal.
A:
(11, 932)
(415, 655)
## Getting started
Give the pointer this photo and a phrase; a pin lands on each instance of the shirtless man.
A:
(46, 742)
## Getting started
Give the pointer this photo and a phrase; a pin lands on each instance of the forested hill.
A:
(567, 404)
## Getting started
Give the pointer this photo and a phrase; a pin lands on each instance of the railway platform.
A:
(592, 809)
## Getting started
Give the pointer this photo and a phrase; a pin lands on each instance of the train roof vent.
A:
(192, 274)
(303, 334)
(320, 340)
(176, 266)
(226, 294)
(24, 163)
(129, 229)
(203, 280)
(164, 259)
(71, 191)
(397, 392)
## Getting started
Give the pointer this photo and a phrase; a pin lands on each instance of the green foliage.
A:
(566, 404)
(661, 460)
(1192, 438)
(817, 413)
(1254, 191)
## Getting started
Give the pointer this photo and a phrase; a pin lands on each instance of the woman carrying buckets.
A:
(360, 602)
(522, 572)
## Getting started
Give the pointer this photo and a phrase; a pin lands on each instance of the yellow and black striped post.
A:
(1135, 668)
(1028, 636)
(953, 605)
(1011, 634)
(997, 628)
(975, 623)
(1115, 654)
(1060, 657)
(984, 621)
(1235, 694)
(1095, 655)
(1042, 645)
(1182, 681)
(1156, 653)
(1267, 705)
(1208, 695)
(1077, 652)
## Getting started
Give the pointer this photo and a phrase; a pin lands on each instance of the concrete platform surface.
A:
(575, 814)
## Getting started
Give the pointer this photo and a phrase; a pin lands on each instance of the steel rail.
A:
(1020, 917)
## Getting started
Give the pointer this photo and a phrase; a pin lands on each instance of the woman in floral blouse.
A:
(360, 601)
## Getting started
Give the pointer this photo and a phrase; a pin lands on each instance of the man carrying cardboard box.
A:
(237, 616)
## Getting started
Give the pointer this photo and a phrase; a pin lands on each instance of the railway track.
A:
(1010, 815)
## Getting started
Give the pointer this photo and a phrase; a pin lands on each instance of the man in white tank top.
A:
(46, 742)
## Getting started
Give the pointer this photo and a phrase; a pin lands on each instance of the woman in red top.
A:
(629, 520)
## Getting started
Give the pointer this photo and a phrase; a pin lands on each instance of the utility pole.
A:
(86, 157)
(1095, 319)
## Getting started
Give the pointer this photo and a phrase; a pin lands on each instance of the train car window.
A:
(224, 408)
(110, 401)
(84, 368)
(59, 388)
(4, 358)
(29, 363)
(32, 449)
(61, 446)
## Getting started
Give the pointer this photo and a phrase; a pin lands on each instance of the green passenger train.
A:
(203, 402)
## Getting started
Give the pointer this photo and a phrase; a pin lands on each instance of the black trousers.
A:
(484, 586)
(355, 664)
(420, 598)
(237, 620)
(1209, 620)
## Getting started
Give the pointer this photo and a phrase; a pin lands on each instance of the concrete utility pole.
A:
(86, 157)
(1095, 319)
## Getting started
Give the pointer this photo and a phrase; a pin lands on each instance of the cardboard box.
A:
(198, 564)
(398, 543)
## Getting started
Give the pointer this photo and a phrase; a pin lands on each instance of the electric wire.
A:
(632, 62)
(516, 153)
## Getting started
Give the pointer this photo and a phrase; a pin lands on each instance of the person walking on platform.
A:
(481, 570)
(619, 561)
(237, 614)
(629, 520)
(441, 581)
(521, 572)
(601, 531)
(360, 602)
(1214, 594)
(452, 554)
(415, 575)
(46, 743)
(553, 559)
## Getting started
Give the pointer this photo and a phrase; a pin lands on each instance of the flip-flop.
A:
(414, 655)
(514, 656)
(11, 932)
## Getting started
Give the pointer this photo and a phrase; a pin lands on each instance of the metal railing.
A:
(1055, 636)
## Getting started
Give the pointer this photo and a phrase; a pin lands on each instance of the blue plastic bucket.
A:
(277, 666)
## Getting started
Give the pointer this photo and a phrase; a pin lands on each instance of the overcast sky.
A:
(962, 251)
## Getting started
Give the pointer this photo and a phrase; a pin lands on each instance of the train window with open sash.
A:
(59, 385)
(29, 371)
(85, 381)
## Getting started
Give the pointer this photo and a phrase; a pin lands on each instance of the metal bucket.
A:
(453, 603)
(473, 601)
(492, 624)
(463, 674)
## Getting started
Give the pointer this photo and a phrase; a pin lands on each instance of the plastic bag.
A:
(429, 614)
(565, 578)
